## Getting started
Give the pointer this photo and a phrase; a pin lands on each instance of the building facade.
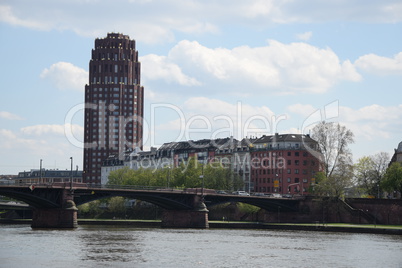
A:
(48, 176)
(114, 103)
(174, 154)
(397, 156)
(280, 163)
(284, 164)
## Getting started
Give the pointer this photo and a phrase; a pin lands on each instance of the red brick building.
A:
(283, 163)
(114, 103)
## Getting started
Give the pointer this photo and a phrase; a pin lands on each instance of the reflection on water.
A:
(104, 246)
(107, 246)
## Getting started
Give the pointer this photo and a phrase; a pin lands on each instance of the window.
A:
(289, 162)
(289, 171)
(296, 162)
(289, 180)
(289, 153)
(296, 171)
(296, 153)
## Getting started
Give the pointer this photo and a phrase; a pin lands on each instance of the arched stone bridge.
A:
(54, 205)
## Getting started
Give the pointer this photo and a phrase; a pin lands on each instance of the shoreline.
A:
(336, 227)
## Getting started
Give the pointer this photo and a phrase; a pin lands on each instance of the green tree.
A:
(392, 180)
(364, 175)
(90, 209)
(120, 176)
(117, 204)
(369, 171)
(381, 161)
(187, 175)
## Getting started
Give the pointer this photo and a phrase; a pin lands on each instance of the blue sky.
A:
(210, 69)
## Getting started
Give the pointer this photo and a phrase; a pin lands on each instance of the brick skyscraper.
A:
(114, 103)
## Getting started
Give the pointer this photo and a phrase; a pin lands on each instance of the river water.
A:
(112, 246)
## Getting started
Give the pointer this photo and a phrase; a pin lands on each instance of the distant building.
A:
(280, 163)
(114, 103)
(7, 179)
(169, 155)
(48, 176)
(283, 163)
(237, 157)
(133, 159)
(202, 150)
(397, 157)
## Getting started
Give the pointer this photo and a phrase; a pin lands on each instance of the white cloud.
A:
(39, 130)
(375, 64)
(259, 8)
(373, 114)
(58, 130)
(158, 67)
(208, 118)
(302, 109)
(10, 140)
(9, 116)
(305, 36)
(159, 21)
(368, 123)
(65, 75)
(23, 149)
(277, 67)
(200, 28)
(7, 15)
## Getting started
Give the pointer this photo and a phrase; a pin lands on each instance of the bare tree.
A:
(381, 161)
(333, 144)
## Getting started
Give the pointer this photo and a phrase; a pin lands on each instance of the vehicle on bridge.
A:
(244, 193)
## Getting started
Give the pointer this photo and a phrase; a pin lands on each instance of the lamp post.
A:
(168, 177)
(202, 177)
(378, 191)
(279, 212)
(300, 186)
(71, 174)
(40, 171)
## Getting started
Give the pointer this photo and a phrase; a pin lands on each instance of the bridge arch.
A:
(268, 204)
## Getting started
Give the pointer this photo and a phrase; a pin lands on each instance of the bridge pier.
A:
(63, 217)
(195, 218)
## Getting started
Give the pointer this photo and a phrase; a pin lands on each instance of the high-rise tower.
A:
(114, 103)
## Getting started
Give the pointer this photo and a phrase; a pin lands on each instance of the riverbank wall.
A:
(367, 229)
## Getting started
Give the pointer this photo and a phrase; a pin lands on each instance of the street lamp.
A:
(202, 186)
(71, 174)
(279, 212)
(300, 186)
(40, 171)
(168, 177)
(378, 191)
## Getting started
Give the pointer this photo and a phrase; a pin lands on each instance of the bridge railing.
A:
(91, 186)
(135, 187)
